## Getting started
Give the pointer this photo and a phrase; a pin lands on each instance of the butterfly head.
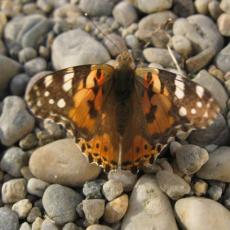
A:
(125, 60)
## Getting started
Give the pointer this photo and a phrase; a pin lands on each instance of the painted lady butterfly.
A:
(122, 116)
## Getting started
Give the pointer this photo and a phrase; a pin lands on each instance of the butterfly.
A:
(122, 116)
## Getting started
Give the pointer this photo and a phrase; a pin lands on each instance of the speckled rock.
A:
(147, 6)
(8, 219)
(78, 48)
(60, 202)
(174, 186)
(62, 162)
(92, 189)
(15, 120)
(13, 160)
(200, 213)
(217, 167)
(22, 208)
(13, 190)
(149, 208)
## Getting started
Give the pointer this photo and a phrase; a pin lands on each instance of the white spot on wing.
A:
(39, 104)
(206, 114)
(199, 104)
(193, 111)
(61, 103)
(48, 80)
(179, 87)
(199, 91)
(182, 111)
(47, 93)
(68, 79)
(51, 101)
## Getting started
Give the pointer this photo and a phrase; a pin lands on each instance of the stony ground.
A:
(46, 183)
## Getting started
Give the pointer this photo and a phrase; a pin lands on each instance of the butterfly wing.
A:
(168, 102)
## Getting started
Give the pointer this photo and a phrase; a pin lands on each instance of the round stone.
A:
(98, 227)
(92, 189)
(36, 187)
(60, 203)
(33, 214)
(223, 59)
(27, 54)
(22, 208)
(18, 84)
(35, 66)
(200, 187)
(182, 45)
(112, 189)
(8, 219)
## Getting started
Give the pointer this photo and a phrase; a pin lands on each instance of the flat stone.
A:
(217, 167)
(62, 162)
(201, 213)
(149, 208)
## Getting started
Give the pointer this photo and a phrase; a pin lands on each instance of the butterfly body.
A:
(122, 116)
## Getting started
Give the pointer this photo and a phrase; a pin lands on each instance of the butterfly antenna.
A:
(102, 32)
(174, 59)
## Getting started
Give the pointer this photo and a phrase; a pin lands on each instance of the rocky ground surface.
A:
(46, 182)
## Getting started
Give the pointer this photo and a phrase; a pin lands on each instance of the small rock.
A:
(225, 6)
(214, 9)
(28, 142)
(200, 187)
(78, 48)
(25, 226)
(159, 56)
(217, 167)
(22, 208)
(142, 212)
(198, 213)
(3, 21)
(98, 227)
(36, 225)
(18, 84)
(223, 59)
(36, 186)
(71, 226)
(92, 189)
(48, 224)
(45, 5)
(25, 171)
(125, 13)
(13, 160)
(59, 203)
(112, 189)
(202, 6)
(97, 7)
(182, 45)
(147, 6)
(8, 219)
(132, 41)
(93, 210)
(174, 186)
(62, 162)
(223, 23)
(127, 178)
(13, 190)
(116, 209)
(183, 8)
(15, 121)
(27, 54)
(215, 192)
(9, 68)
(190, 158)
(33, 214)
(35, 66)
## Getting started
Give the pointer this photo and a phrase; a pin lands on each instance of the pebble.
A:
(10, 8)
(97, 7)
(78, 48)
(125, 14)
(202, 6)
(200, 213)
(217, 167)
(9, 68)
(60, 202)
(93, 209)
(13, 160)
(149, 208)
(28, 142)
(112, 189)
(225, 6)
(18, 84)
(15, 121)
(159, 56)
(3, 21)
(213, 86)
(33, 214)
(182, 45)
(116, 209)
(171, 184)
(214, 9)
(223, 24)
(13, 190)
(132, 41)
(190, 158)
(25, 226)
(71, 226)
(215, 192)
(36, 225)
(148, 28)
(115, 44)
(25, 171)
(222, 59)
(35, 66)
(8, 219)
(2, 48)
(127, 178)
(45, 6)
(62, 162)
(200, 187)
(183, 8)
(27, 54)
(48, 224)
(148, 7)
(98, 227)
(22, 208)
(36, 187)
(92, 189)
